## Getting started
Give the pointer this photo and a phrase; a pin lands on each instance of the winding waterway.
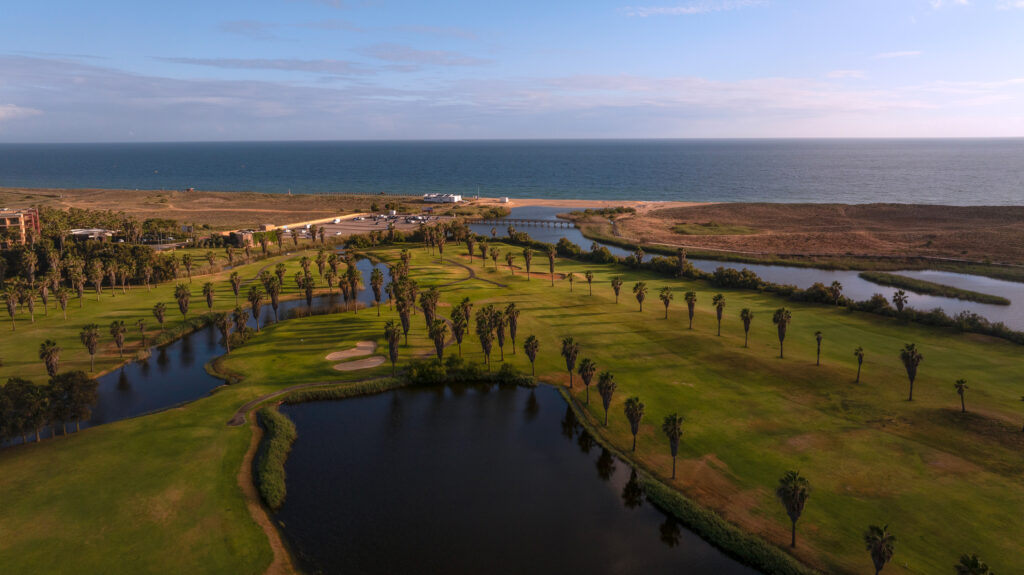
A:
(471, 480)
(853, 285)
(175, 373)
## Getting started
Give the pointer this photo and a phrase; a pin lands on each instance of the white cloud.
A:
(12, 112)
(902, 54)
(937, 4)
(846, 75)
(691, 9)
(1010, 4)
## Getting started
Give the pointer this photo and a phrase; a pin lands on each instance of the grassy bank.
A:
(746, 548)
(274, 448)
(931, 288)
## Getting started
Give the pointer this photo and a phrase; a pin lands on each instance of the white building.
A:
(442, 198)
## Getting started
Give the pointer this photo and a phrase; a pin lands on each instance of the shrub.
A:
(274, 449)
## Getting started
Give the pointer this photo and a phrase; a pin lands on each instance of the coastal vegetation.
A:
(711, 229)
(925, 287)
(750, 416)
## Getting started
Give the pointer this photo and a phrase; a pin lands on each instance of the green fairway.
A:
(159, 492)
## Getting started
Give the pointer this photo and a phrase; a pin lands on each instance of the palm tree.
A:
(972, 565)
(509, 258)
(223, 323)
(616, 287)
(485, 319)
(781, 319)
(159, 310)
(211, 258)
(570, 349)
(634, 413)
(512, 315)
(666, 298)
(880, 544)
(256, 303)
(117, 331)
(551, 264)
(459, 324)
(186, 260)
(590, 281)
(90, 337)
(236, 284)
(377, 282)
(572, 279)
(528, 258)
(438, 331)
(62, 299)
(961, 387)
(719, 302)
(818, 336)
(606, 388)
(859, 354)
(587, 369)
(182, 295)
(29, 296)
(49, 353)
(532, 346)
(208, 291)
(792, 492)
(836, 290)
(673, 429)
(899, 299)
(470, 243)
(11, 297)
(392, 333)
(640, 291)
(483, 254)
(746, 316)
(140, 324)
(691, 304)
(911, 358)
(494, 257)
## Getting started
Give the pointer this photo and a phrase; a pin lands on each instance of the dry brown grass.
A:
(975, 233)
(219, 210)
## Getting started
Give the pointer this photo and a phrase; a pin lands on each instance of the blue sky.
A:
(73, 71)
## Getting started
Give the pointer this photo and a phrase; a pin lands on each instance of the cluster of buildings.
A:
(442, 198)
(15, 224)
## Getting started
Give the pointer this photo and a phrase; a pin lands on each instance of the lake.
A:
(471, 479)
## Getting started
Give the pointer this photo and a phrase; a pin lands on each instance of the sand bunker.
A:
(362, 348)
(360, 363)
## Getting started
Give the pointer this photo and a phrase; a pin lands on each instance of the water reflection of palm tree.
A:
(605, 465)
(632, 492)
(122, 381)
(585, 441)
(532, 406)
(569, 423)
(162, 361)
(671, 534)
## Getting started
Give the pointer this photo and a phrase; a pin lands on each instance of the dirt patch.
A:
(362, 348)
(282, 562)
(360, 363)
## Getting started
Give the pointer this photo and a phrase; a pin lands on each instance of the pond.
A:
(853, 285)
(176, 373)
(471, 479)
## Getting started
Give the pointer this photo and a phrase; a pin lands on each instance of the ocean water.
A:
(953, 171)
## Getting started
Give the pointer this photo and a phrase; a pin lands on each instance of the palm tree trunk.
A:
(963, 408)
(858, 374)
(793, 541)
(911, 396)
(533, 372)
(673, 467)
(634, 442)
(746, 336)
(92, 363)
